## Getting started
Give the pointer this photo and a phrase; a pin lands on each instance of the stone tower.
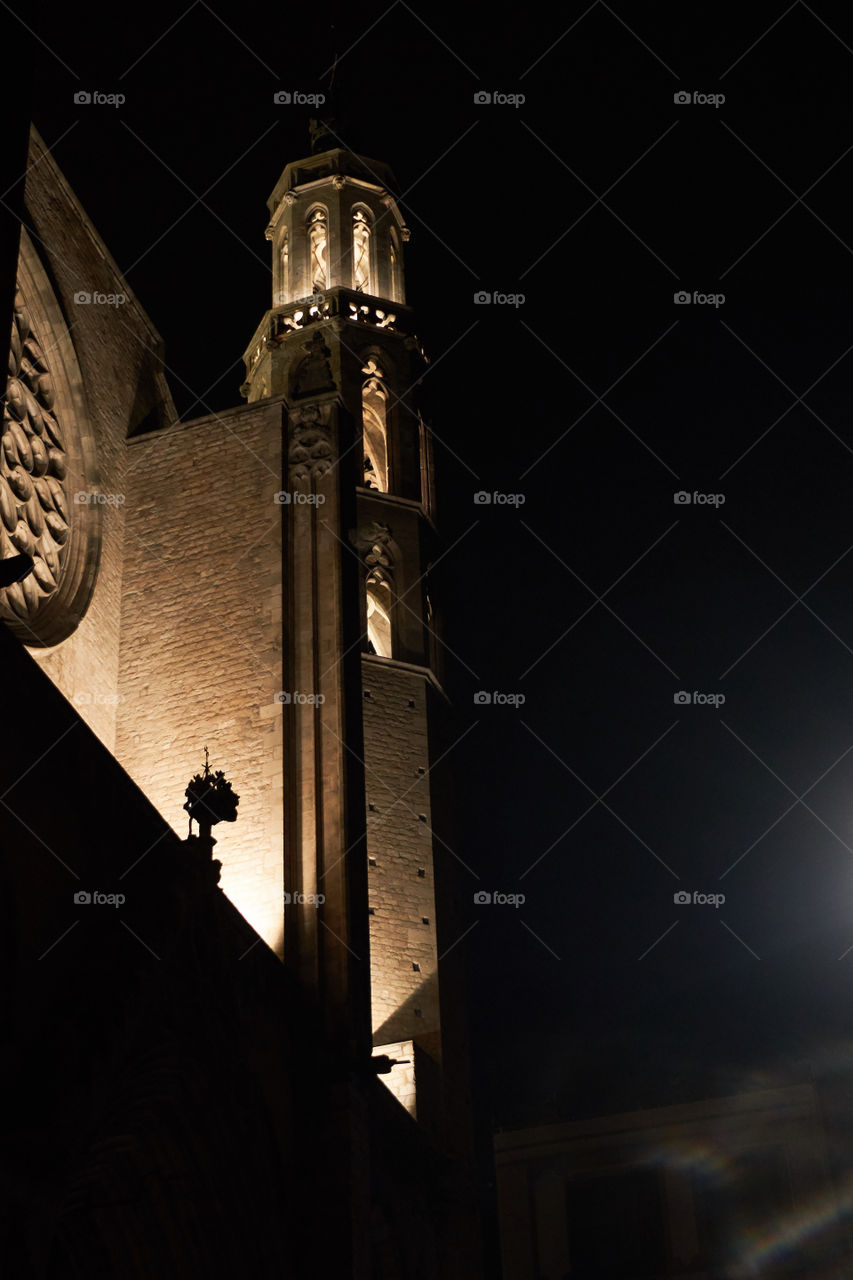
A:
(338, 344)
(258, 579)
(255, 579)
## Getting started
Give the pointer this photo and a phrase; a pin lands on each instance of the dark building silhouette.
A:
(267, 1076)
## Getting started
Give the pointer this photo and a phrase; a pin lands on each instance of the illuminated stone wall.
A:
(201, 636)
(400, 857)
(400, 1080)
(113, 376)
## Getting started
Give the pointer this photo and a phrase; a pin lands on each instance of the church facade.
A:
(257, 581)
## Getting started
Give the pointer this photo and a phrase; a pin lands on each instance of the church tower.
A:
(256, 579)
(338, 343)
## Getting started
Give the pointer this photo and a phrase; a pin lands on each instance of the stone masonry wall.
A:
(201, 636)
(400, 857)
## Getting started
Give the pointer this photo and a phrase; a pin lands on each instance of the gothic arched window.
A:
(318, 249)
(360, 251)
(374, 396)
(378, 614)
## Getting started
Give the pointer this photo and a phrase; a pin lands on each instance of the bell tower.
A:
(339, 345)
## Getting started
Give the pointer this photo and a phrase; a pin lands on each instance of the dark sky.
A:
(596, 399)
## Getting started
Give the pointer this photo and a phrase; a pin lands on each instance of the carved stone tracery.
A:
(34, 516)
(310, 447)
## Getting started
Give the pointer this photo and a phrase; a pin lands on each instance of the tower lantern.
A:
(334, 224)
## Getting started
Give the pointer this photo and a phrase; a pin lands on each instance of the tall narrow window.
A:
(396, 274)
(318, 244)
(360, 252)
(374, 396)
(378, 615)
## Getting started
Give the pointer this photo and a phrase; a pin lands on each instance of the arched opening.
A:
(361, 232)
(378, 614)
(374, 399)
(318, 249)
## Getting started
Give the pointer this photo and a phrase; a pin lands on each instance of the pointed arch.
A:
(362, 235)
(374, 400)
(317, 234)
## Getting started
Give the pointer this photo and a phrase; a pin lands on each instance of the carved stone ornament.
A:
(33, 467)
(49, 500)
(290, 198)
(310, 444)
(338, 182)
(373, 544)
(314, 372)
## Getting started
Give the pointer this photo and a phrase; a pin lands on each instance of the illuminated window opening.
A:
(360, 251)
(378, 616)
(283, 269)
(318, 247)
(374, 397)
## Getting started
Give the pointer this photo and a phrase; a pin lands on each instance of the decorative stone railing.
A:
(342, 304)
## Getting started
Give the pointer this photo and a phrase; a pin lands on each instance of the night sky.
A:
(596, 399)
